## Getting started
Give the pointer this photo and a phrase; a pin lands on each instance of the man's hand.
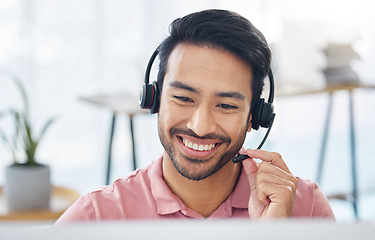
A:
(273, 187)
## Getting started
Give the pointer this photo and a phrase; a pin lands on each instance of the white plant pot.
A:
(27, 187)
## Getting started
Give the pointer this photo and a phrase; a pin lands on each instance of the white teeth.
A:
(197, 147)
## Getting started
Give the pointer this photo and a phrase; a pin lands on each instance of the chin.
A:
(198, 169)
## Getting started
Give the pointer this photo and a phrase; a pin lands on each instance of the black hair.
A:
(224, 30)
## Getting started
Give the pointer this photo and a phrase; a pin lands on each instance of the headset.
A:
(263, 112)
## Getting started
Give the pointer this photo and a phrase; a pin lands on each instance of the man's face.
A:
(204, 109)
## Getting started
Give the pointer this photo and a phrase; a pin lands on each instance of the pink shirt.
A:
(145, 195)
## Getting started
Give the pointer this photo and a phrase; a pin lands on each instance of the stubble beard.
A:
(195, 170)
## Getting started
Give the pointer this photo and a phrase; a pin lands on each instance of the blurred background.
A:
(65, 50)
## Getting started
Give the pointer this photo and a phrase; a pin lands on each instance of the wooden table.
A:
(121, 103)
(61, 200)
(292, 90)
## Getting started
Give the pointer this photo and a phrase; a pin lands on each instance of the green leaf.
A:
(28, 133)
(24, 96)
(22, 137)
(45, 127)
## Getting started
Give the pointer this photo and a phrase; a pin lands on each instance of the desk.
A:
(122, 103)
(61, 199)
(294, 91)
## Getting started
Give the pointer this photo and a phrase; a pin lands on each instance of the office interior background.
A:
(65, 50)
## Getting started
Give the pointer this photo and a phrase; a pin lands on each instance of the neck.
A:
(206, 195)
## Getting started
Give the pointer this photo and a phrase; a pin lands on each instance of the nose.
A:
(202, 121)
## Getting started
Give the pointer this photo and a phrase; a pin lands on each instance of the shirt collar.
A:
(168, 203)
(165, 200)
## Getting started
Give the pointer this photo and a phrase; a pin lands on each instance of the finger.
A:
(265, 167)
(275, 193)
(280, 198)
(265, 177)
(242, 151)
(251, 170)
(271, 157)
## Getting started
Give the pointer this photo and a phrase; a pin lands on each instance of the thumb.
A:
(256, 207)
(251, 169)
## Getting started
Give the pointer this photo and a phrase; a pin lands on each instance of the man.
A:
(212, 68)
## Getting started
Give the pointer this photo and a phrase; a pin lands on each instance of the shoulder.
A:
(306, 186)
(81, 210)
(114, 201)
(138, 181)
(123, 190)
(310, 201)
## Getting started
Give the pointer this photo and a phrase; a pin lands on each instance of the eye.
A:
(227, 106)
(183, 99)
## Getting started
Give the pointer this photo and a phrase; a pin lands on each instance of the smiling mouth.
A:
(198, 147)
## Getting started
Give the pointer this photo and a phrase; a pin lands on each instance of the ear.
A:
(249, 124)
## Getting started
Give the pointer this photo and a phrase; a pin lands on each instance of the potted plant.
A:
(27, 182)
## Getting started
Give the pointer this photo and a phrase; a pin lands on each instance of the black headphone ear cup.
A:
(255, 122)
(266, 116)
(149, 97)
(262, 115)
(146, 96)
(155, 98)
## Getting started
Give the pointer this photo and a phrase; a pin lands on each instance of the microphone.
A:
(241, 157)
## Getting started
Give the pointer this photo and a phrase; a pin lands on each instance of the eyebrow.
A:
(236, 95)
(180, 85)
